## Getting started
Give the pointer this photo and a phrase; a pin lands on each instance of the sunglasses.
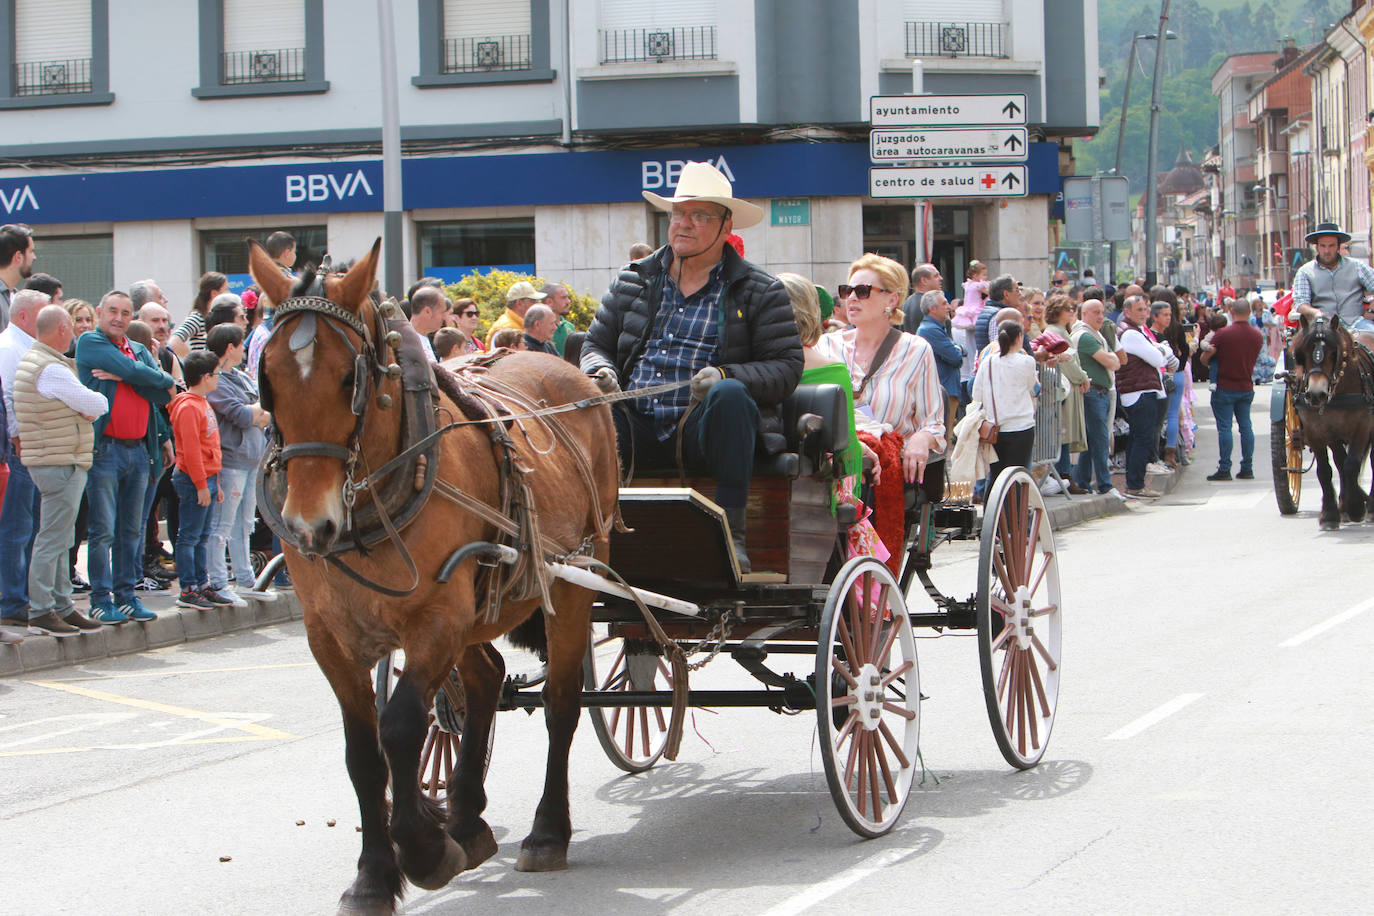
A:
(470, 313)
(862, 291)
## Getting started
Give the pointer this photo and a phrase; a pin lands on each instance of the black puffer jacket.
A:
(756, 341)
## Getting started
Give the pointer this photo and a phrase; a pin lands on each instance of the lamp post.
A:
(1151, 177)
(1121, 128)
(392, 218)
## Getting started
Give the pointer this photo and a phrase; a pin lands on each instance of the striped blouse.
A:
(904, 395)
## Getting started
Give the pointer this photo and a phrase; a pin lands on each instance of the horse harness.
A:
(1349, 400)
(402, 486)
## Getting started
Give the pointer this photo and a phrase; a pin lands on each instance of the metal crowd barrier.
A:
(1049, 428)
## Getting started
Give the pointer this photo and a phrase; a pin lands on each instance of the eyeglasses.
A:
(697, 218)
(470, 313)
(861, 291)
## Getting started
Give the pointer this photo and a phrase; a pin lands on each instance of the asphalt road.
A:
(1209, 756)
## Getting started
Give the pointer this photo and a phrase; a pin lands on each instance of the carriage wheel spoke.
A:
(875, 789)
(908, 714)
(630, 733)
(618, 670)
(644, 730)
(886, 651)
(1003, 575)
(853, 755)
(1050, 662)
(849, 725)
(1042, 699)
(1044, 568)
(1043, 611)
(1028, 708)
(843, 672)
(845, 639)
(1000, 605)
(1028, 561)
(886, 770)
(897, 672)
(1002, 676)
(892, 743)
(615, 719)
(1002, 639)
(875, 638)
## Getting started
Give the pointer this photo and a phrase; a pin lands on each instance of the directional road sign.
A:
(998, 144)
(948, 181)
(1008, 109)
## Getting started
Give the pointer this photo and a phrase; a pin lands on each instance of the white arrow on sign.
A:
(946, 110)
(896, 144)
(948, 181)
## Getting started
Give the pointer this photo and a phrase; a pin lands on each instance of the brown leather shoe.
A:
(81, 621)
(51, 625)
(1076, 490)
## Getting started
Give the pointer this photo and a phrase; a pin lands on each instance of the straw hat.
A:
(523, 290)
(703, 181)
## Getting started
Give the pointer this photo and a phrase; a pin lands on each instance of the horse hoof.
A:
(542, 860)
(356, 905)
(1330, 524)
(479, 847)
(453, 862)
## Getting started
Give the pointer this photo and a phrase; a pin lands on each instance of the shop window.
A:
(451, 251)
(225, 250)
(84, 264)
(56, 52)
(261, 47)
(466, 42)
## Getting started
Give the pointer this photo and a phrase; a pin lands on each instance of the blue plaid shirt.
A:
(683, 342)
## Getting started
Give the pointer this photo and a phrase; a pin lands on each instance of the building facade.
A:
(529, 129)
(1233, 83)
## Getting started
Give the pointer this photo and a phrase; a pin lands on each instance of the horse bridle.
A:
(302, 311)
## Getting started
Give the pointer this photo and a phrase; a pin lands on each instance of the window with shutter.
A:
(52, 47)
(956, 28)
(486, 35)
(264, 41)
(657, 30)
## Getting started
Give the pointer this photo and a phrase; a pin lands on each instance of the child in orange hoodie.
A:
(195, 435)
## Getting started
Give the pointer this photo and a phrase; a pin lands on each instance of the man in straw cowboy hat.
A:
(696, 310)
(1332, 284)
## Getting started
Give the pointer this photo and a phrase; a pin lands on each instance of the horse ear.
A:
(1335, 321)
(275, 285)
(358, 282)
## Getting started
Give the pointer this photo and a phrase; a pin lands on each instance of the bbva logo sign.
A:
(664, 174)
(317, 186)
(17, 198)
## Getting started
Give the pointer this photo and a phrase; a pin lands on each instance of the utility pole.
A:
(393, 243)
(1152, 176)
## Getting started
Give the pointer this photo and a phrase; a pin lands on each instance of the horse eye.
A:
(347, 382)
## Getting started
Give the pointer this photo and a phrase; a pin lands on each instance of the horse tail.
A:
(531, 635)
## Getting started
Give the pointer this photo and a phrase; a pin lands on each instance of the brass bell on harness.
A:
(393, 372)
(384, 401)
(388, 308)
(393, 339)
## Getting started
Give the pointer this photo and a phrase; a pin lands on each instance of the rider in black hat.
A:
(1333, 284)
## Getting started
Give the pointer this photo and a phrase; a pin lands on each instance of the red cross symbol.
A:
(987, 180)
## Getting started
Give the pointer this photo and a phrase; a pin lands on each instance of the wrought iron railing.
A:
(493, 52)
(283, 65)
(956, 39)
(52, 77)
(696, 42)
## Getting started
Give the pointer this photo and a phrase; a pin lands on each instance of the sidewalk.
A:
(173, 625)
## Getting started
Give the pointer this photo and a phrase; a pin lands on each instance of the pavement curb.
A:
(173, 625)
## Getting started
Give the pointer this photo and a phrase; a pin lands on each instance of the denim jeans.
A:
(1097, 403)
(1225, 405)
(1175, 402)
(718, 437)
(18, 525)
(194, 531)
(233, 524)
(1141, 416)
(50, 582)
(115, 489)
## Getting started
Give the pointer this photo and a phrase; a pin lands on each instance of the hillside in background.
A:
(1206, 33)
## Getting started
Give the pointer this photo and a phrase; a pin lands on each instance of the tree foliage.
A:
(489, 292)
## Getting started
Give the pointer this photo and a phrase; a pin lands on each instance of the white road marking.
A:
(1153, 717)
(1233, 502)
(1320, 628)
(817, 893)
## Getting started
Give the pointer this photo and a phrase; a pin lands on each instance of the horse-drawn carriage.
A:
(1322, 400)
(495, 498)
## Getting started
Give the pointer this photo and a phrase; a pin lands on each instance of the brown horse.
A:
(1335, 402)
(340, 416)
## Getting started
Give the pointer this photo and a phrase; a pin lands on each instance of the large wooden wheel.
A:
(633, 737)
(1285, 453)
(868, 696)
(1019, 618)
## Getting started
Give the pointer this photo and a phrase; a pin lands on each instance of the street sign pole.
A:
(918, 87)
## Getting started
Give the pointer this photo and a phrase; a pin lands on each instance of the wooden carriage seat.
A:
(791, 531)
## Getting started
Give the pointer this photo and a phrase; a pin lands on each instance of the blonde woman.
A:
(901, 392)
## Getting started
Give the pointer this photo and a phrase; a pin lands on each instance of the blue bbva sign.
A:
(772, 170)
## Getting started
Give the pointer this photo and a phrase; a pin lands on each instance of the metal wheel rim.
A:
(868, 769)
(632, 737)
(1020, 672)
(1294, 453)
